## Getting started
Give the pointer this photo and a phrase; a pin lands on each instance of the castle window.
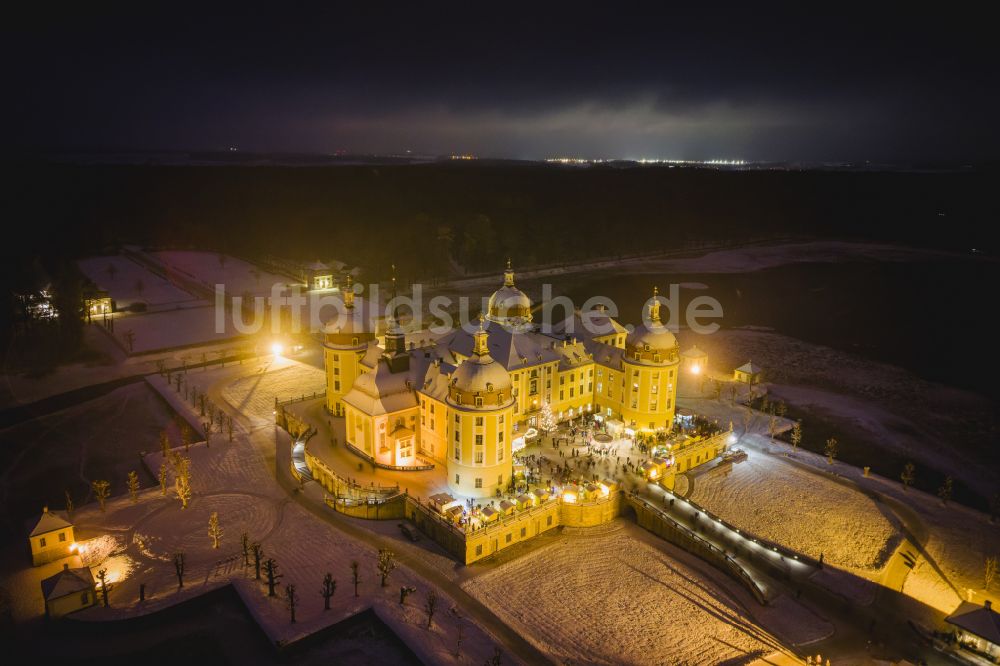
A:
(458, 479)
(336, 385)
(524, 531)
(457, 420)
(479, 549)
(62, 536)
(336, 371)
(489, 387)
(500, 437)
(354, 342)
(548, 520)
(500, 480)
(479, 483)
(41, 542)
(508, 537)
(501, 420)
(458, 454)
(479, 440)
(479, 457)
(479, 420)
(479, 401)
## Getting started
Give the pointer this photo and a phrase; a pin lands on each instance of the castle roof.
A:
(982, 621)
(68, 581)
(49, 522)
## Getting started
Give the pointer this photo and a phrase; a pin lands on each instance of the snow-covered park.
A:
(210, 269)
(128, 282)
(812, 514)
(617, 595)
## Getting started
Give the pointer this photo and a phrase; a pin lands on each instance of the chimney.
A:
(988, 605)
(45, 509)
(65, 566)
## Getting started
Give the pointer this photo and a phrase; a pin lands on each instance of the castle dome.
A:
(479, 381)
(651, 341)
(509, 306)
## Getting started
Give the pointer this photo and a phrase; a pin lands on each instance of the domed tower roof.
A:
(651, 341)
(480, 382)
(350, 327)
(509, 306)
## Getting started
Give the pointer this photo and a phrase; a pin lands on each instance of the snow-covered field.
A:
(127, 282)
(237, 275)
(253, 395)
(172, 328)
(607, 596)
(795, 508)
(879, 405)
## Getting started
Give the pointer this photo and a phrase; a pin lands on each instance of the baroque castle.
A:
(462, 400)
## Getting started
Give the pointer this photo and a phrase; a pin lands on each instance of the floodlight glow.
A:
(277, 348)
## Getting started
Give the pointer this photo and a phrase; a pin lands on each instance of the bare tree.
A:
(496, 659)
(355, 576)
(101, 490)
(102, 576)
(291, 599)
(163, 478)
(185, 436)
(405, 591)
(989, 572)
(386, 564)
(272, 576)
(796, 435)
(329, 589)
(179, 568)
(229, 427)
(182, 480)
(944, 492)
(69, 505)
(430, 605)
(129, 337)
(460, 625)
(245, 544)
(133, 486)
(909, 475)
(258, 555)
(214, 530)
(830, 450)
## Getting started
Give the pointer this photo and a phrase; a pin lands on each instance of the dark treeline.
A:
(434, 219)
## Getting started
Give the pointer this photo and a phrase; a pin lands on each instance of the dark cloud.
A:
(523, 83)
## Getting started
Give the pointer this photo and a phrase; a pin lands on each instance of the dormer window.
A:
(489, 387)
(478, 401)
(354, 342)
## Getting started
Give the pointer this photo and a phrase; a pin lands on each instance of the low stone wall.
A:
(656, 521)
(590, 514)
(474, 545)
(392, 508)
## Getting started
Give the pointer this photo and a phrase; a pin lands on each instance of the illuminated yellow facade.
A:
(346, 340)
(462, 399)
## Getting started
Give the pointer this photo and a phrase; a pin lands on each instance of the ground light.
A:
(277, 348)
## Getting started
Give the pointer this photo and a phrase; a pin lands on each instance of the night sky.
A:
(507, 81)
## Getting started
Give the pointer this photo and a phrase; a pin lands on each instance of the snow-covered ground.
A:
(616, 595)
(155, 331)
(253, 395)
(811, 514)
(237, 275)
(128, 282)
(734, 260)
(881, 406)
